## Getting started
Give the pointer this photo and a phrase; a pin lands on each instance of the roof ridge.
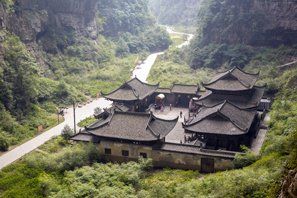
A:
(164, 119)
(136, 94)
(254, 74)
(132, 113)
(233, 122)
(144, 83)
(186, 84)
(149, 127)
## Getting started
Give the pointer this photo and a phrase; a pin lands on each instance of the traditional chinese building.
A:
(223, 126)
(126, 136)
(227, 114)
(179, 95)
(134, 94)
(236, 86)
(226, 117)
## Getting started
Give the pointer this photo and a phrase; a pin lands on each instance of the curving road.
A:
(141, 71)
(81, 113)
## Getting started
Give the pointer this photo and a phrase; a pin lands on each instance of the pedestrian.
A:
(180, 114)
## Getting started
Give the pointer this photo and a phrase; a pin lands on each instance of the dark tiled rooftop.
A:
(245, 101)
(84, 137)
(182, 148)
(224, 118)
(131, 90)
(132, 126)
(185, 89)
(233, 80)
(163, 90)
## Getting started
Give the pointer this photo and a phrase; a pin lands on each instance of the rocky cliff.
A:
(43, 25)
(252, 22)
(32, 17)
(289, 186)
(175, 12)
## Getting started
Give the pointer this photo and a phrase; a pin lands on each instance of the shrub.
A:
(3, 144)
(242, 160)
(67, 132)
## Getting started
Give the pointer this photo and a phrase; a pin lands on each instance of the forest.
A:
(66, 64)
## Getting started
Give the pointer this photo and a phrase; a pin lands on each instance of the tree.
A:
(67, 132)
(3, 144)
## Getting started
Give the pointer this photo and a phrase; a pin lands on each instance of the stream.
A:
(141, 71)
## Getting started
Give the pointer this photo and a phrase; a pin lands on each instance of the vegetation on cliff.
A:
(234, 32)
(175, 12)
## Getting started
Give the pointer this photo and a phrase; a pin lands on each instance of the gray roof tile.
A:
(132, 126)
(234, 79)
(245, 101)
(131, 91)
(185, 89)
(225, 118)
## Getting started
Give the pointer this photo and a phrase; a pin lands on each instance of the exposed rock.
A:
(289, 186)
(39, 22)
(253, 22)
(69, 14)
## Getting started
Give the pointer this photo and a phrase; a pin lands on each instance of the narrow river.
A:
(142, 71)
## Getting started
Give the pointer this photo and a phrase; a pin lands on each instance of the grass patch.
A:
(87, 121)
(170, 68)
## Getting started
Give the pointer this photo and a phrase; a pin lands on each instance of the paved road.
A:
(142, 72)
(32, 144)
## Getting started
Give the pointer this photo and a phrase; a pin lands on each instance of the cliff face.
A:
(289, 186)
(50, 25)
(33, 17)
(175, 12)
(252, 22)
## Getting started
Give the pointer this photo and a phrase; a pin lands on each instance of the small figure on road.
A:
(170, 106)
(180, 114)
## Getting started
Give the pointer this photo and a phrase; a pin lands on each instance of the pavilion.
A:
(134, 94)
(236, 86)
(223, 126)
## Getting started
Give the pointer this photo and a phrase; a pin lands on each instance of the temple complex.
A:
(226, 116)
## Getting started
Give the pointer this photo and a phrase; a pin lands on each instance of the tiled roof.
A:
(120, 107)
(131, 91)
(182, 148)
(244, 101)
(185, 89)
(234, 79)
(132, 126)
(83, 137)
(225, 119)
(163, 90)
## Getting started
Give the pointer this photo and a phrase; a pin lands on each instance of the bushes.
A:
(216, 55)
(67, 132)
(67, 158)
(103, 180)
(87, 121)
(3, 143)
(243, 160)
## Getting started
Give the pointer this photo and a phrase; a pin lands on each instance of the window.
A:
(107, 151)
(125, 153)
(144, 155)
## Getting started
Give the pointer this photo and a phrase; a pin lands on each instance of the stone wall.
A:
(162, 158)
